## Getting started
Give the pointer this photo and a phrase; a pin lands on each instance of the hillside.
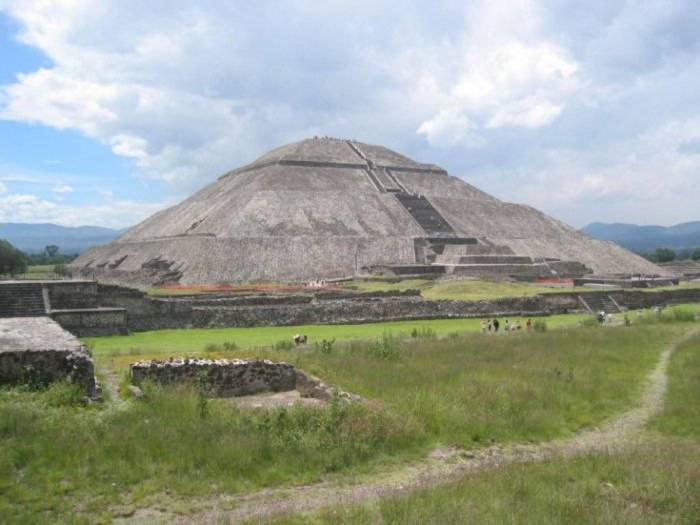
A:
(642, 239)
(32, 238)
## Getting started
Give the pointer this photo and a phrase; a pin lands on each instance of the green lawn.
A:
(194, 340)
(36, 272)
(454, 289)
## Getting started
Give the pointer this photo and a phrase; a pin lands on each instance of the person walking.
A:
(529, 324)
(496, 325)
(506, 326)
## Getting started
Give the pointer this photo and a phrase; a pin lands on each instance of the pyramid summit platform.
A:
(326, 208)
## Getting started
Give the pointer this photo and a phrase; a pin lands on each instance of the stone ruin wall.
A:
(235, 377)
(36, 351)
(146, 313)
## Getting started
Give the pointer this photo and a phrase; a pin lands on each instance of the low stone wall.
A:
(35, 350)
(147, 313)
(233, 378)
(71, 294)
(93, 322)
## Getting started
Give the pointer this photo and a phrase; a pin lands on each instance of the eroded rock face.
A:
(235, 377)
(36, 350)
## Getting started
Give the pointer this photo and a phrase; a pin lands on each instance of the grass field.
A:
(195, 340)
(58, 458)
(454, 289)
(681, 415)
(37, 272)
(651, 484)
(657, 482)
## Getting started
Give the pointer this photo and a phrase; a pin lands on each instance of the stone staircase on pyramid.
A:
(599, 302)
(19, 299)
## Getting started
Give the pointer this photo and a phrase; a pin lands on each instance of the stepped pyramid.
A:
(328, 208)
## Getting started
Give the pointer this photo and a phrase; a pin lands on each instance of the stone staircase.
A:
(22, 300)
(425, 215)
(597, 302)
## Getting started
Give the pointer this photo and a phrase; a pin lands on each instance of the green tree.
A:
(51, 250)
(695, 255)
(663, 255)
(12, 261)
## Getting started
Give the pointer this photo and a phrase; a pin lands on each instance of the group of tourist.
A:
(494, 325)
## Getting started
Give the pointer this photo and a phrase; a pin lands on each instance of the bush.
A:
(424, 332)
(230, 345)
(326, 346)
(384, 348)
(12, 261)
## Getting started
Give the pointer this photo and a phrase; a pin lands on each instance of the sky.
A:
(113, 109)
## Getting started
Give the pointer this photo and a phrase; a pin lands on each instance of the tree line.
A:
(662, 255)
(14, 261)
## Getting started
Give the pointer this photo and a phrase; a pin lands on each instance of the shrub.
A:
(424, 332)
(326, 346)
(230, 345)
(384, 348)
(12, 261)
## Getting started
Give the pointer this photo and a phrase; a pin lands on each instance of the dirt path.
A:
(442, 466)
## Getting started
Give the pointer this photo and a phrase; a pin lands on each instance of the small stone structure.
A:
(74, 304)
(235, 377)
(37, 350)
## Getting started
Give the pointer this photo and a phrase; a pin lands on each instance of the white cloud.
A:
(3, 188)
(500, 82)
(554, 103)
(62, 188)
(641, 179)
(117, 214)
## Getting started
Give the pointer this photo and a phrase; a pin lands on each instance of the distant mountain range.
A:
(32, 238)
(645, 239)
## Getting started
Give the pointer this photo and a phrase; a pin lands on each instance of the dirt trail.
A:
(442, 466)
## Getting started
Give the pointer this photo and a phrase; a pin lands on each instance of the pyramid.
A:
(327, 208)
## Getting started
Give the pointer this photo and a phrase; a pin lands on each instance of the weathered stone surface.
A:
(147, 313)
(323, 208)
(37, 350)
(235, 377)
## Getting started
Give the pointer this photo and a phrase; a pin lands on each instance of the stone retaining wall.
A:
(93, 322)
(147, 313)
(35, 350)
(71, 294)
(234, 377)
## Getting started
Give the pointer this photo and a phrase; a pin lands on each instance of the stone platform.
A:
(36, 350)
(72, 303)
(235, 377)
